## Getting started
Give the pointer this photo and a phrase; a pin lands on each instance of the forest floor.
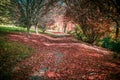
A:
(64, 58)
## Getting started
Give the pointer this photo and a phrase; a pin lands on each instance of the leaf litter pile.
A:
(64, 58)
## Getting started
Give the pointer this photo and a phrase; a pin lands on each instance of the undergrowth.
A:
(10, 54)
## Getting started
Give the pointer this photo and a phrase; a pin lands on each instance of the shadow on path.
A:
(64, 59)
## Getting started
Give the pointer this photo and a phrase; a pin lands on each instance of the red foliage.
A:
(63, 59)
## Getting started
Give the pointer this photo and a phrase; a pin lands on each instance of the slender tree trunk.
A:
(117, 30)
(28, 31)
(36, 29)
(65, 29)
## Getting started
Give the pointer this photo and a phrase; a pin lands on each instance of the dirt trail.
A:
(64, 59)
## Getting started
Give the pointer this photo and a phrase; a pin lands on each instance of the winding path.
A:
(64, 59)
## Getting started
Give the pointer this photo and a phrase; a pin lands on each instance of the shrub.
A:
(77, 33)
(111, 44)
(88, 33)
(43, 28)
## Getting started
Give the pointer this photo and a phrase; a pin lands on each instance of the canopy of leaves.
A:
(87, 14)
(30, 10)
(7, 8)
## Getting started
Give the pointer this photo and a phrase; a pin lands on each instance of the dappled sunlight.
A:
(63, 58)
(35, 41)
(105, 52)
(57, 39)
(52, 74)
(60, 40)
(48, 74)
(95, 55)
(72, 43)
(57, 44)
(14, 37)
(110, 64)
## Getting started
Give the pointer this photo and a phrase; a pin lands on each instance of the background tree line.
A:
(93, 16)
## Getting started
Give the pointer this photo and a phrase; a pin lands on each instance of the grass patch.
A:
(56, 35)
(12, 29)
(10, 54)
(9, 29)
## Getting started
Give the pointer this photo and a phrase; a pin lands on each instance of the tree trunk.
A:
(28, 31)
(65, 28)
(117, 32)
(36, 29)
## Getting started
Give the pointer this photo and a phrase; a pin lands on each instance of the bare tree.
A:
(30, 10)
